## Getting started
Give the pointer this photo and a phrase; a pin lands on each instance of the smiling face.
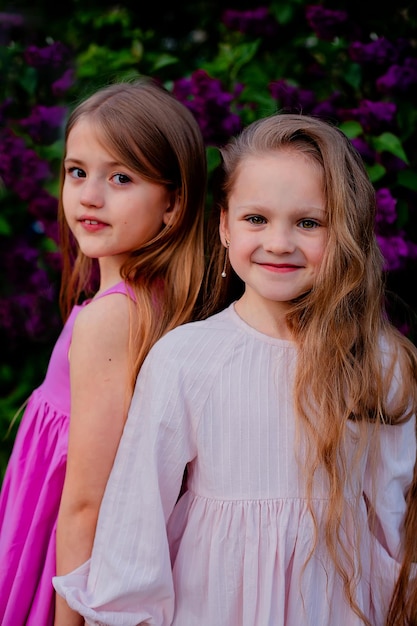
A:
(276, 228)
(110, 209)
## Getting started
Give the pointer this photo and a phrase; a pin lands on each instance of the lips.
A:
(280, 267)
(85, 219)
(92, 225)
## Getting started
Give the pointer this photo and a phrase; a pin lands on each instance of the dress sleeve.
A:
(128, 579)
(392, 477)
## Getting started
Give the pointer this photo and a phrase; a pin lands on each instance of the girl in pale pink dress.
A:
(293, 410)
(132, 198)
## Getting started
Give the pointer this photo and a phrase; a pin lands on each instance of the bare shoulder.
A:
(104, 321)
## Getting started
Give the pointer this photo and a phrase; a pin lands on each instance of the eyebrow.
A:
(80, 162)
(256, 208)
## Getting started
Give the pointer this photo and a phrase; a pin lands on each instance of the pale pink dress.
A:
(217, 395)
(31, 492)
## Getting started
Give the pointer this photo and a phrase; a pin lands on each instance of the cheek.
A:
(241, 247)
(319, 249)
(318, 258)
(67, 195)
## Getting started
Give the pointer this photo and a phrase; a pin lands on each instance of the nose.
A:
(279, 239)
(92, 194)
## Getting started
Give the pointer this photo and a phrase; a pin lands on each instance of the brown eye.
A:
(121, 179)
(76, 172)
(308, 224)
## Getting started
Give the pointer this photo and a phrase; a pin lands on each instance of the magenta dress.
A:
(31, 493)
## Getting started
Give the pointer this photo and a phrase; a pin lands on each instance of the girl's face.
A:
(109, 208)
(276, 227)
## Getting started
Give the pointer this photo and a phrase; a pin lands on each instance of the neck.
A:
(267, 317)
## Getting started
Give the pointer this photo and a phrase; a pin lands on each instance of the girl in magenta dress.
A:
(32, 489)
(131, 212)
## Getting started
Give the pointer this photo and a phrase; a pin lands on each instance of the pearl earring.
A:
(225, 259)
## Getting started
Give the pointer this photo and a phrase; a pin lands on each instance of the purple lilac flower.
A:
(54, 261)
(412, 250)
(391, 162)
(378, 52)
(327, 109)
(27, 311)
(20, 259)
(54, 56)
(256, 22)
(44, 124)
(51, 230)
(205, 98)
(395, 251)
(34, 312)
(292, 98)
(61, 85)
(28, 175)
(386, 204)
(373, 116)
(12, 150)
(367, 153)
(326, 23)
(400, 79)
(21, 169)
(34, 171)
(43, 206)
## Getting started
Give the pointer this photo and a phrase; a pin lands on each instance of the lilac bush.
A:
(32, 113)
(28, 203)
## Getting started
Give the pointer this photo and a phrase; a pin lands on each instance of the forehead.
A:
(279, 167)
(86, 132)
(281, 155)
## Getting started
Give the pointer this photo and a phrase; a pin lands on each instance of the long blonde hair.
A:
(144, 126)
(341, 377)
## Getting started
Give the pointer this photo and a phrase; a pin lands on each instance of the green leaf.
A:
(284, 11)
(352, 74)
(376, 172)
(29, 80)
(231, 59)
(49, 245)
(387, 142)
(52, 152)
(5, 228)
(402, 214)
(213, 158)
(163, 60)
(352, 129)
(408, 178)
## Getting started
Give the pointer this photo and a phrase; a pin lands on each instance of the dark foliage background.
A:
(353, 63)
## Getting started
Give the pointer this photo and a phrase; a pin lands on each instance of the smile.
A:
(282, 268)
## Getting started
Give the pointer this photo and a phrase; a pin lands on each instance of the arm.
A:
(99, 402)
(387, 483)
(128, 580)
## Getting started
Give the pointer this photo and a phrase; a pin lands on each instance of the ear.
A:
(169, 214)
(223, 228)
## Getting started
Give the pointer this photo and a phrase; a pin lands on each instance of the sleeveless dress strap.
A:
(120, 287)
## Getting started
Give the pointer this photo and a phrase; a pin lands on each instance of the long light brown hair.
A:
(341, 377)
(144, 126)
